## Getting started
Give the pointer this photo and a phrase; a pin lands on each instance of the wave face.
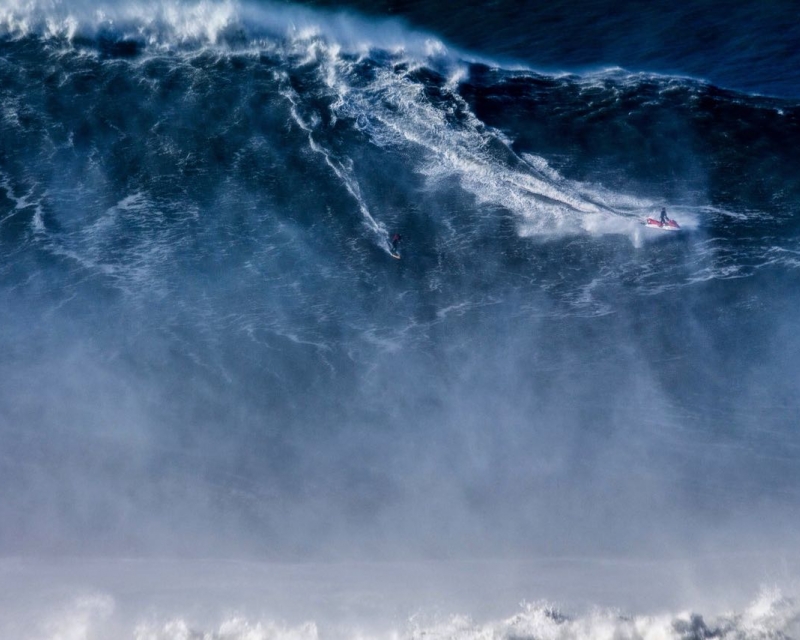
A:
(207, 350)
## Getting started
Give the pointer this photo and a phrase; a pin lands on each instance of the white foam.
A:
(98, 617)
(169, 23)
(22, 202)
(82, 619)
(394, 110)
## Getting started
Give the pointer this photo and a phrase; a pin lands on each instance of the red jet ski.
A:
(669, 225)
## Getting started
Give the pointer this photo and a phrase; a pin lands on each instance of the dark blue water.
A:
(743, 45)
(207, 350)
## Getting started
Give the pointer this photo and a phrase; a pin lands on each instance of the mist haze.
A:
(221, 394)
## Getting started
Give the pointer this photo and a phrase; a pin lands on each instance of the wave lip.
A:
(128, 28)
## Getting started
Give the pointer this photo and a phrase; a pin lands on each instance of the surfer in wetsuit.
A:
(396, 238)
(664, 218)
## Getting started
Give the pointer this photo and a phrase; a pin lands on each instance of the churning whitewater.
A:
(227, 412)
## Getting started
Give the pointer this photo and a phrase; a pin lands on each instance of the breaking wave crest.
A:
(168, 24)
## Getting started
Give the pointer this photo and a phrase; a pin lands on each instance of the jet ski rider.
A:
(664, 218)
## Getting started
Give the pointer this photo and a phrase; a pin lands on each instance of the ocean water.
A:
(227, 412)
(748, 46)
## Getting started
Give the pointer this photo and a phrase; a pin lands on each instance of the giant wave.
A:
(207, 352)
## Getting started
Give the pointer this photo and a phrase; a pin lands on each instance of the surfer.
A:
(396, 238)
(664, 218)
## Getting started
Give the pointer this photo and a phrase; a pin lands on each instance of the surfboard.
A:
(394, 255)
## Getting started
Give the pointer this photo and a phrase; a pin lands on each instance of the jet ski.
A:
(669, 225)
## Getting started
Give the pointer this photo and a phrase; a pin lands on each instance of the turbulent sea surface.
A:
(227, 412)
